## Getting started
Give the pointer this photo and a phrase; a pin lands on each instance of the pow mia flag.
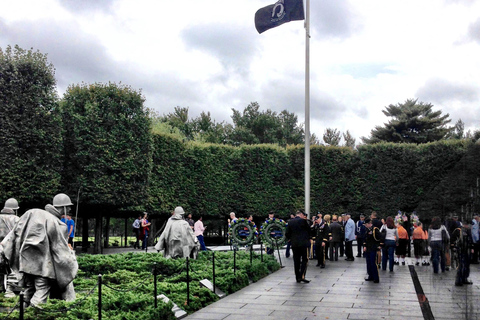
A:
(279, 13)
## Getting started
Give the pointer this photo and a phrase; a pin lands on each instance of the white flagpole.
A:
(307, 109)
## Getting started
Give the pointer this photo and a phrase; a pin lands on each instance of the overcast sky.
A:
(206, 55)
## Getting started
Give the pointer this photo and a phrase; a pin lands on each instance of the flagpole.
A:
(307, 109)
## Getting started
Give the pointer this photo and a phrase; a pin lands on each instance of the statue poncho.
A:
(178, 239)
(37, 246)
(7, 222)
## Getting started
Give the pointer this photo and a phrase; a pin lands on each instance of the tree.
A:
(349, 140)
(108, 144)
(179, 119)
(458, 131)
(332, 137)
(30, 127)
(254, 126)
(412, 122)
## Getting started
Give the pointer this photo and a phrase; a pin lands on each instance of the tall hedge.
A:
(331, 182)
(108, 145)
(400, 176)
(30, 128)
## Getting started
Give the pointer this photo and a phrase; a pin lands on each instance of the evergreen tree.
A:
(458, 131)
(412, 122)
(332, 137)
(349, 140)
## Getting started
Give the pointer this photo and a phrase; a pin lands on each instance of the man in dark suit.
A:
(298, 232)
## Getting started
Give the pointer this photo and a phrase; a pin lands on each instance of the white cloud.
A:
(207, 55)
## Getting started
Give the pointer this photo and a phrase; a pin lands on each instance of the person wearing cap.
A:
(38, 252)
(8, 220)
(322, 234)
(370, 247)
(178, 239)
(298, 232)
(360, 235)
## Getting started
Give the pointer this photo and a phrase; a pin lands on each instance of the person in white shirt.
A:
(438, 238)
(199, 228)
(390, 243)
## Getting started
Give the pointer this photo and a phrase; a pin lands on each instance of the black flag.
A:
(279, 13)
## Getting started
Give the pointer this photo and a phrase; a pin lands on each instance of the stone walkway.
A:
(340, 292)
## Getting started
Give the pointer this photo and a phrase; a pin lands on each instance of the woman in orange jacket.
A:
(401, 250)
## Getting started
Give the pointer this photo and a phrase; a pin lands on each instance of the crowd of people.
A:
(387, 242)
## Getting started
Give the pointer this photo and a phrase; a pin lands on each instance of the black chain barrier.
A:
(77, 303)
(127, 290)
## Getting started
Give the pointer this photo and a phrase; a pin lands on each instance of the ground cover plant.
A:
(128, 285)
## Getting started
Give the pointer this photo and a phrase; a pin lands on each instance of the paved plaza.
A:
(340, 292)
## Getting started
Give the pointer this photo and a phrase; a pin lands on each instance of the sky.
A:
(206, 55)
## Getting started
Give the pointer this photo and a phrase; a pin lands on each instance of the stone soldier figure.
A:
(38, 253)
(8, 220)
(178, 239)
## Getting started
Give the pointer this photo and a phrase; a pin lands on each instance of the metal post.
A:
(307, 110)
(278, 252)
(213, 266)
(251, 253)
(21, 305)
(235, 261)
(188, 283)
(261, 251)
(155, 283)
(99, 297)
(146, 243)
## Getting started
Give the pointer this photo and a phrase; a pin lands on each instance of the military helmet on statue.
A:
(62, 200)
(11, 203)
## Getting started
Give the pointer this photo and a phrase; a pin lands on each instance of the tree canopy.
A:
(250, 126)
(108, 144)
(412, 122)
(30, 126)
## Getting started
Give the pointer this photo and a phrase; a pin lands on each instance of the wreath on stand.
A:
(272, 232)
(242, 232)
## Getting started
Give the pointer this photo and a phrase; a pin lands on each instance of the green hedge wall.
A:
(213, 180)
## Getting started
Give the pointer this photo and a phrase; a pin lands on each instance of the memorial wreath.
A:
(272, 232)
(242, 231)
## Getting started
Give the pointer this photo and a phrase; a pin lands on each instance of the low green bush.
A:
(128, 285)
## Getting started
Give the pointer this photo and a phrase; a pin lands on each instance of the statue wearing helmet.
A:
(8, 220)
(12, 203)
(177, 239)
(63, 204)
(40, 237)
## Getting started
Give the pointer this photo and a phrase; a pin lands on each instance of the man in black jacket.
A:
(298, 232)
(461, 241)
(322, 235)
(371, 245)
(335, 238)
